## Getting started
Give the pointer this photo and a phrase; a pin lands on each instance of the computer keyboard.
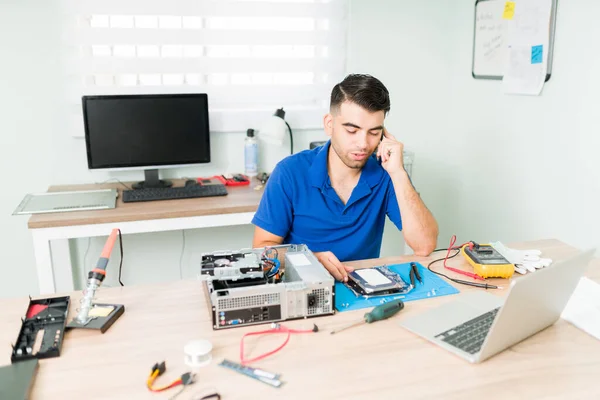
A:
(186, 192)
(470, 336)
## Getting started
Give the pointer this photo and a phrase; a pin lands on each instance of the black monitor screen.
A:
(146, 130)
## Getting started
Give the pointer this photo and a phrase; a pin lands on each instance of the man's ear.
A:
(328, 124)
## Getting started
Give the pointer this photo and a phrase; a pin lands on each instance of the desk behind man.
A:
(335, 198)
(51, 232)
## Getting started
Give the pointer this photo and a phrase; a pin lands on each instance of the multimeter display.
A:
(486, 255)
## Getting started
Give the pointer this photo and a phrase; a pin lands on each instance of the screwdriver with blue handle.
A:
(383, 311)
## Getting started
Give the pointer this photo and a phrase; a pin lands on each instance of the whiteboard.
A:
(490, 48)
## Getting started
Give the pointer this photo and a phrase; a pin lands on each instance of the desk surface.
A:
(239, 199)
(370, 361)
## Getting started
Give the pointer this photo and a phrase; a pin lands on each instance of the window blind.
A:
(250, 57)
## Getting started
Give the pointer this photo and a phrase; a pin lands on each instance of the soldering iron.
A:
(95, 278)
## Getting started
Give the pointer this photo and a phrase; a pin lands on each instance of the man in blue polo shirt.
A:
(335, 198)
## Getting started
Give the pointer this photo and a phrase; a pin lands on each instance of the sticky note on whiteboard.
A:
(509, 10)
(537, 54)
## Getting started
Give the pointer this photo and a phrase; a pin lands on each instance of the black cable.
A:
(87, 249)
(459, 281)
(442, 259)
(212, 396)
(84, 262)
(291, 138)
(121, 263)
(215, 395)
(115, 179)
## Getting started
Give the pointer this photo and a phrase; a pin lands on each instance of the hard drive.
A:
(377, 281)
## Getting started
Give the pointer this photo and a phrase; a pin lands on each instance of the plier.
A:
(414, 273)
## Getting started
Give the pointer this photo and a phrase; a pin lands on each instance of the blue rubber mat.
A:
(432, 286)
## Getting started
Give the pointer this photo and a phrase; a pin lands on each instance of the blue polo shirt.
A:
(300, 205)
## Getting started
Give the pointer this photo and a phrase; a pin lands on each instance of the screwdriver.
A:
(383, 311)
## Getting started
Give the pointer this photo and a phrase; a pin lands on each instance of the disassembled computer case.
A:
(256, 286)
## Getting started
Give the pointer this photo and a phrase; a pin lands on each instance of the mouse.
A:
(190, 182)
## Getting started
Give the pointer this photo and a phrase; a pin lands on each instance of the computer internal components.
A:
(266, 285)
(231, 266)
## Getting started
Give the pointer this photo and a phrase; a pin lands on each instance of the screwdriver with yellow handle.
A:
(383, 311)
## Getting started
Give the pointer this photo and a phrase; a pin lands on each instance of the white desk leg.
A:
(43, 263)
(61, 265)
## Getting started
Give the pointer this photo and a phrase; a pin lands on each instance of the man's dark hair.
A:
(364, 90)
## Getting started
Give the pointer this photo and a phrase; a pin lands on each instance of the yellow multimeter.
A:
(487, 262)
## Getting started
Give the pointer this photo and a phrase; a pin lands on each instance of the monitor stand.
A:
(151, 181)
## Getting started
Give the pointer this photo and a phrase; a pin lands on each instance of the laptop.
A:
(478, 325)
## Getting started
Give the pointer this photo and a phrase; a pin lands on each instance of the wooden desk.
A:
(378, 361)
(51, 232)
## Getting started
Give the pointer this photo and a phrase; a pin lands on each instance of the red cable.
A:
(262, 356)
(169, 386)
(279, 329)
(459, 271)
(176, 383)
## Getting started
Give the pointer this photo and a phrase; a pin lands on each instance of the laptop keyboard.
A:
(469, 336)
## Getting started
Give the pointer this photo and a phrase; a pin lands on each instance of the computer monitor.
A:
(146, 132)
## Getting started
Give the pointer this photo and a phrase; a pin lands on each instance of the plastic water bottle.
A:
(251, 154)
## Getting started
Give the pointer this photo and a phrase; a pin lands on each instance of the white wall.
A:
(536, 175)
(405, 45)
(27, 119)
(490, 166)
(38, 152)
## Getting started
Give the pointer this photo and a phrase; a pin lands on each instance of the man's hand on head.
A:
(391, 152)
(334, 266)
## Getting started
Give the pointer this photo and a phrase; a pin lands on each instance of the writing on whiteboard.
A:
(491, 31)
(490, 45)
